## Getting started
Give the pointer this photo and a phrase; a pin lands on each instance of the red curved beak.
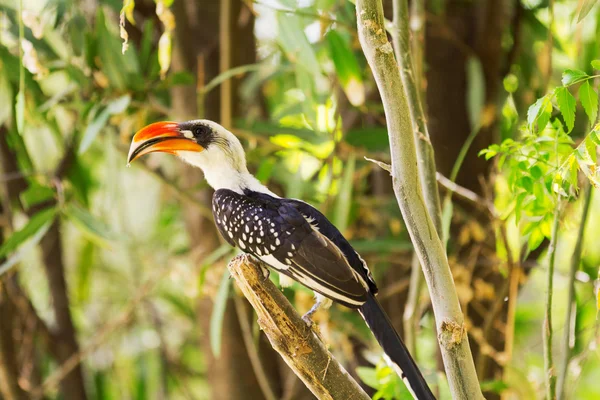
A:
(163, 136)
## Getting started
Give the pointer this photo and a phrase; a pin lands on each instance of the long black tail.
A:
(395, 349)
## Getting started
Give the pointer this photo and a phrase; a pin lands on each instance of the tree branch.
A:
(454, 345)
(425, 155)
(299, 347)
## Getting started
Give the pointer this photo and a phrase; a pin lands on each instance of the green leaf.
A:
(589, 100)
(231, 73)
(35, 194)
(539, 113)
(475, 91)
(571, 76)
(180, 302)
(20, 111)
(218, 313)
(294, 42)
(93, 129)
(585, 9)
(119, 69)
(6, 96)
(511, 83)
(36, 222)
(211, 258)
(84, 268)
(566, 104)
(368, 376)
(93, 228)
(119, 104)
(343, 202)
(596, 64)
(116, 106)
(347, 68)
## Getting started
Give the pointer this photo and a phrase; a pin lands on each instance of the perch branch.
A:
(451, 329)
(299, 347)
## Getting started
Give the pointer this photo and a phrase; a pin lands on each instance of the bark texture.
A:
(299, 346)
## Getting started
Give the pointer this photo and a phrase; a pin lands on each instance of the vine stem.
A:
(547, 329)
(571, 304)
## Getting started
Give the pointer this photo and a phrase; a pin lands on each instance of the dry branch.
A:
(289, 335)
(454, 344)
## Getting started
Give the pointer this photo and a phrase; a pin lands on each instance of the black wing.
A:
(320, 222)
(276, 232)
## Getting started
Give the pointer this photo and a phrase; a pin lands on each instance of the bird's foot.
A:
(264, 268)
(307, 318)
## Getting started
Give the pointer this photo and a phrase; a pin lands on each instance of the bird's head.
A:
(201, 143)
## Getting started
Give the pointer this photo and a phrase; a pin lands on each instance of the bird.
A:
(289, 235)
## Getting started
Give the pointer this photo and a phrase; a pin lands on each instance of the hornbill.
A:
(289, 235)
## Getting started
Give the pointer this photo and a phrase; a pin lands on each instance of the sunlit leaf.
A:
(589, 100)
(85, 263)
(566, 104)
(6, 96)
(36, 194)
(368, 376)
(596, 64)
(164, 53)
(218, 313)
(343, 201)
(126, 12)
(539, 113)
(347, 68)
(571, 76)
(20, 111)
(294, 42)
(586, 7)
(475, 90)
(165, 42)
(35, 223)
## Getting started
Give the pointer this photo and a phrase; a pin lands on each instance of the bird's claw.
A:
(308, 320)
(266, 272)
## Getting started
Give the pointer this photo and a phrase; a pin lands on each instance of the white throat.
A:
(220, 173)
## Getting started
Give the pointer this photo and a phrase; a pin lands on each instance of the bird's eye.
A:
(201, 130)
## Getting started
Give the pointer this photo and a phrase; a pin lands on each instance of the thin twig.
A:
(567, 342)
(547, 327)
(251, 349)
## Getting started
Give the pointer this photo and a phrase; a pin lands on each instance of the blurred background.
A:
(113, 281)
